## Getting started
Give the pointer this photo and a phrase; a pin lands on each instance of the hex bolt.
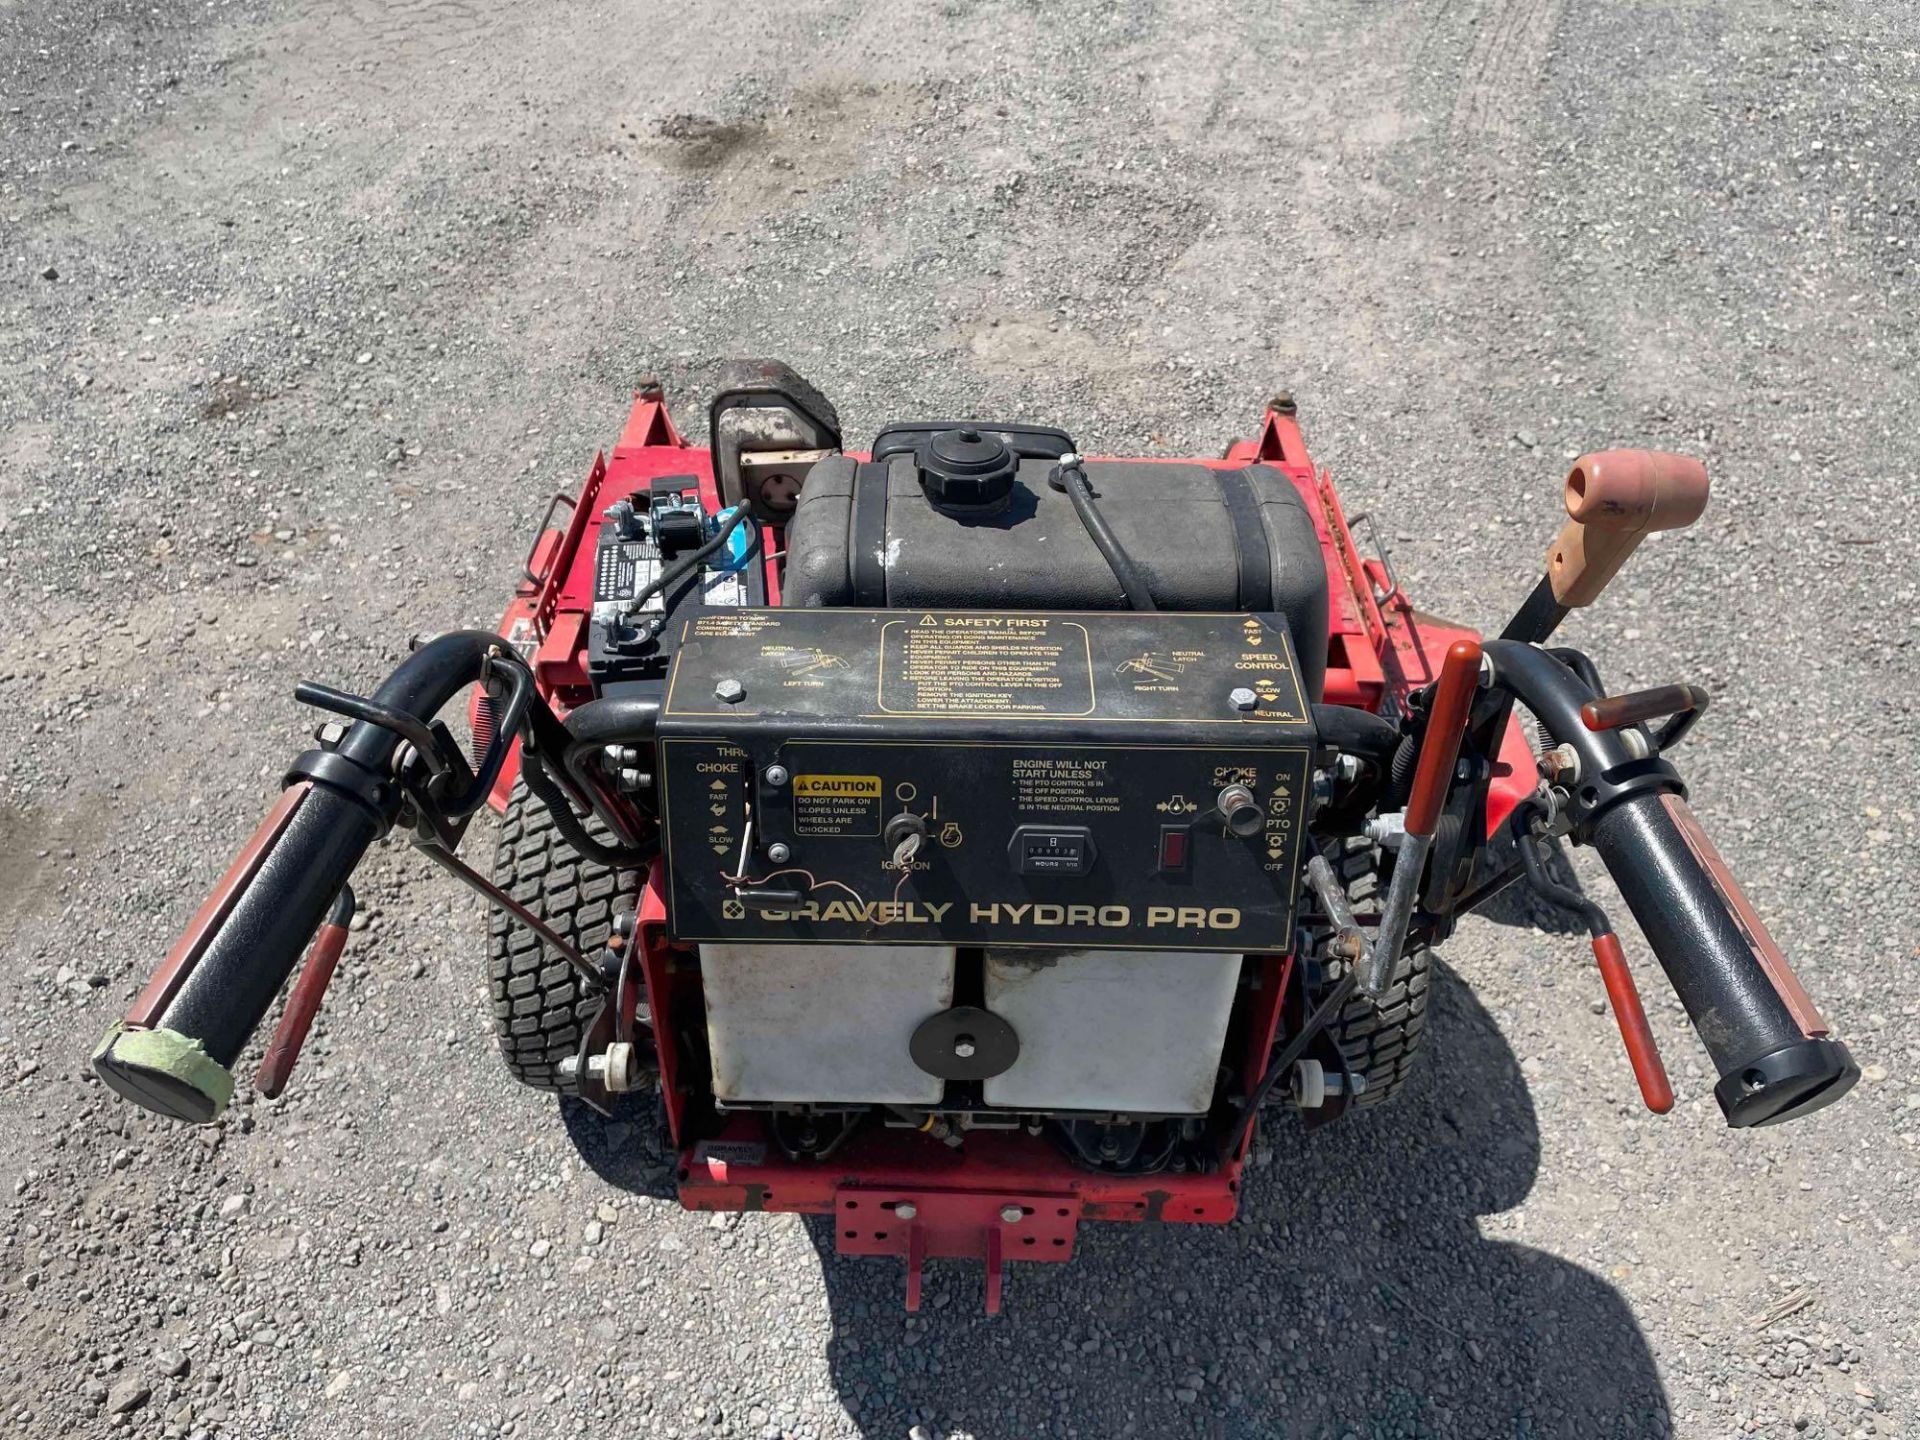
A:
(779, 853)
(1012, 1214)
(964, 1047)
(730, 691)
(1242, 698)
(905, 1210)
(1561, 765)
(1348, 945)
(777, 775)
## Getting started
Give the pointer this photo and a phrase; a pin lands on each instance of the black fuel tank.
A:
(870, 534)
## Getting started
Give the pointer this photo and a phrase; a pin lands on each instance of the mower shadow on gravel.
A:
(1353, 1296)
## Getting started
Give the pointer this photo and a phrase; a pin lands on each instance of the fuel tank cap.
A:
(967, 469)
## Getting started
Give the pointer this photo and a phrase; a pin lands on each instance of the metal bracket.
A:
(1365, 517)
(918, 1225)
(560, 497)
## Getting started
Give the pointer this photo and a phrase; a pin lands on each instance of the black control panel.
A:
(1110, 780)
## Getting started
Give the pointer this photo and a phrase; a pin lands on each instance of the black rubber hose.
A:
(1358, 732)
(589, 729)
(614, 720)
(420, 685)
(1133, 584)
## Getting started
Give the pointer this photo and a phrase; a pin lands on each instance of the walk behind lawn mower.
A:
(966, 838)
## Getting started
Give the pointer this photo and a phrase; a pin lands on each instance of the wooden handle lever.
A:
(1615, 499)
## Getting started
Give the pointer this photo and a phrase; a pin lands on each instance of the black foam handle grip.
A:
(254, 943)
(1774, 1054)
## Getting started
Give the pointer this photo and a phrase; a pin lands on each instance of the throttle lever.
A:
(1614, 500)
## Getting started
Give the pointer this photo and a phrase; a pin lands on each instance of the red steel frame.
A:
(1010, 1196)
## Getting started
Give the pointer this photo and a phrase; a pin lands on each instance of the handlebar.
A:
(1772, 1048)
(174, 1052)
(1775, 1055)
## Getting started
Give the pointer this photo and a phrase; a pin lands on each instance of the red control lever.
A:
(1642, 1053)
(303, 1002)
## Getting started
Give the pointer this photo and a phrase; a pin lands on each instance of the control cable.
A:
(1068, 475)
(686, 565)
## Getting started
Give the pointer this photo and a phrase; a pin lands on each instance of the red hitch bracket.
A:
(985, 1225)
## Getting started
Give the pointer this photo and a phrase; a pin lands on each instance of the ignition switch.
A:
(905, 834)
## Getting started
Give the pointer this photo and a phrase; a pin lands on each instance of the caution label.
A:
(836, 804)
(985, 665)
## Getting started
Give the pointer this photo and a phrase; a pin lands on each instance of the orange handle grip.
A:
(1440, 747)
(276, 1066)
(1642, 1053)
(1614, 499)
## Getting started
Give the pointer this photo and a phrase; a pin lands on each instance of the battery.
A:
(975, 778)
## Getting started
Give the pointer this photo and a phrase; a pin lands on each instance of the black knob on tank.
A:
(967, 469)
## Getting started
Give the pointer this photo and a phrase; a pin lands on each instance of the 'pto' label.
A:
(836, 804)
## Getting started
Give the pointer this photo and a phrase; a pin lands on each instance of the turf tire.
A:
(1379, 1038)
(540, 1007)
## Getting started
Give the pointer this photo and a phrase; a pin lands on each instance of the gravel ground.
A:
(305, 312)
